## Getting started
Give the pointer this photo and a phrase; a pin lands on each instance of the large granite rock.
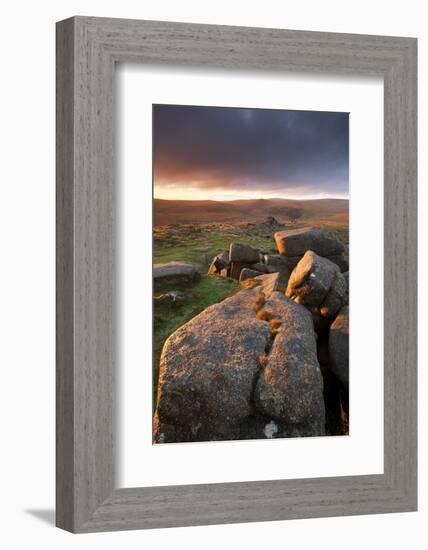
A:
(338, 344)
(290, 388)
(293, 243)
(318, 284)
(311, 280)
(175, 272)
(209, 371)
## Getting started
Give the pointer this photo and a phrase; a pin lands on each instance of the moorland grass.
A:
(168, 317)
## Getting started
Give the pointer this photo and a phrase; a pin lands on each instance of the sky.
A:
(218, 153)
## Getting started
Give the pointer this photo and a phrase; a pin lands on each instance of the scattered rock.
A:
(243, 254)
(290, 388)
(339, 346)
(175, 272)
(225, 265)
(247, 367)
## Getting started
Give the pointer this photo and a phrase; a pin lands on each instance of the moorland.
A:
(195, 231)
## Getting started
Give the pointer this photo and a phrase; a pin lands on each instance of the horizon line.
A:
(256, 199)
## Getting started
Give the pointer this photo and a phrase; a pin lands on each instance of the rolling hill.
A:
(168, 212)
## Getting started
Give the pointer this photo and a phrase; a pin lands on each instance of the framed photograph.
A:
(236, 274)
(264, 298)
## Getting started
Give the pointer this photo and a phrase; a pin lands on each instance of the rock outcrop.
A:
(293, 243)
(268, 225)
(249, 367)
(212, 385)
(243, 261)
(339, 346)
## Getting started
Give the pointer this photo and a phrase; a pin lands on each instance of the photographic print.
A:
(250, 273)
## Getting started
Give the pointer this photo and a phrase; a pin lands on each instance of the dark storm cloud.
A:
(262, 150)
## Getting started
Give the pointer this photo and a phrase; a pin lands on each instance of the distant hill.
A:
(192, 212)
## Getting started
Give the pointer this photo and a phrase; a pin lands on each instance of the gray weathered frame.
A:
(87, 50)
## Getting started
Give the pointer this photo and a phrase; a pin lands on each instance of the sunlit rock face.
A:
(290, 388)
(207, 372)
(318, 284)
(293, 243)
(212, 384)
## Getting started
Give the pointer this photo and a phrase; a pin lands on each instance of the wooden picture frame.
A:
(87, 50)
